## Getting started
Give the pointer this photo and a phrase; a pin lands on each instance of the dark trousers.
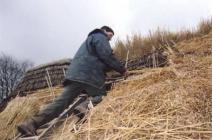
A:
(71, 91)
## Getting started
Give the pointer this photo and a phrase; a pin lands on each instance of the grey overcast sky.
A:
(47, 30)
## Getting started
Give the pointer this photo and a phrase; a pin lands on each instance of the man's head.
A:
(109, 31)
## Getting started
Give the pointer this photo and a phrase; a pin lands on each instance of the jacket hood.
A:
(97, 31)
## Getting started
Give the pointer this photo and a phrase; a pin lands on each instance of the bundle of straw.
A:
(18, 110)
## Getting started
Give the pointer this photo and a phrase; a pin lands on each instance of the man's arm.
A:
(105, 53)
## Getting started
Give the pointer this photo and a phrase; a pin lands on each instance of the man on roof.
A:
(86, 72)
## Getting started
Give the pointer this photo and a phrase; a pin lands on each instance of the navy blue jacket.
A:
(93, 60)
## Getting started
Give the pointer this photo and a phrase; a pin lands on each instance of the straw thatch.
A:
(52, 74)
(164, 103)
(43, 76)
(170, 103)
(22, 108)
(17, 111)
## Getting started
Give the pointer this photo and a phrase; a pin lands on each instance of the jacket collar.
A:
(97, 31)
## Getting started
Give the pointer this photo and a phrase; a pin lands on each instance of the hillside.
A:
(173, 102)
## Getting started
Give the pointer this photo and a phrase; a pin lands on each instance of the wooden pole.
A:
(50, 84)
(64, 72)
(153, 58)
(127, 58)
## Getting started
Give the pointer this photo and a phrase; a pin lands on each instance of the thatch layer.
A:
(171, 103)
(52, 74)
(164, 103)
(22, 108)
(43, 76)
(17, 111)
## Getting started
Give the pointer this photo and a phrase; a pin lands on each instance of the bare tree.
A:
(11, 72)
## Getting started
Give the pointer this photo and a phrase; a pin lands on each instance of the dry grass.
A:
(22, 108)
(17, 111)
(163, 103)
(160, 40)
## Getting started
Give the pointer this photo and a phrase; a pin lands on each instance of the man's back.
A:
(93, 59)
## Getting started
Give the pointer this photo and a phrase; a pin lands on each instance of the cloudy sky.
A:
(47, 30)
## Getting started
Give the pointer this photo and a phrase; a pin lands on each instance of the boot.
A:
(28, 128)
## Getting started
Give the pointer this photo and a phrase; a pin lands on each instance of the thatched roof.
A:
(52, 74)
(172, 102)
(42, 76)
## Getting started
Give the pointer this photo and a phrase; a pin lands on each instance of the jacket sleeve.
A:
(105, 53)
